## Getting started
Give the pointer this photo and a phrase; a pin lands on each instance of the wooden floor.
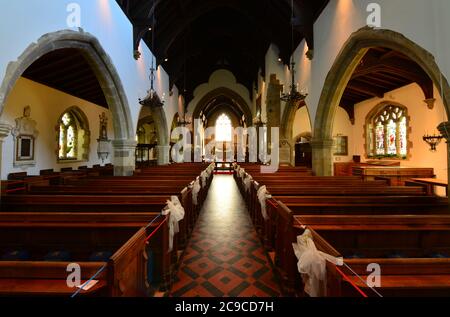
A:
(225, 256)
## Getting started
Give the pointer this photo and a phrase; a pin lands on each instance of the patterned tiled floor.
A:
(225, 256)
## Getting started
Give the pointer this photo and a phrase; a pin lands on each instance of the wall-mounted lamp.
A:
(433, 141)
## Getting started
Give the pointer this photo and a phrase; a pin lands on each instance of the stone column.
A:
(124, 157)
(163, 154)
(322, 157)
(444, 128)
(4, 132)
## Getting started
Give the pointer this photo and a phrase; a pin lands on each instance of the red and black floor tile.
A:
(224, 257)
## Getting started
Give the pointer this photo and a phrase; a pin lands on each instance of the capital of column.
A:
(444, 128)
(124, 143)
(5, 129)
(322, 143)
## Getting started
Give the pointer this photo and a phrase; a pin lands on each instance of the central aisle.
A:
(225, 256)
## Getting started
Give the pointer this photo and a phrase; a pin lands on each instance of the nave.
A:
(225, 256)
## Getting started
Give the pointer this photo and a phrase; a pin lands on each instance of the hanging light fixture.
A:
(184, 120)
(152, 99)
(293, 96)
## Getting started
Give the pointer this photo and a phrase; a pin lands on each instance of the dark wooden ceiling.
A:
(199, 36)
(68, 71)
(380, 71)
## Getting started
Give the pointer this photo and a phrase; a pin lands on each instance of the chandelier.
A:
(293, 96)
(152, 99)
(184, 120)
(433, 141)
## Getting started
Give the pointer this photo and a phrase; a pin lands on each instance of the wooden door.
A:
(303, 154)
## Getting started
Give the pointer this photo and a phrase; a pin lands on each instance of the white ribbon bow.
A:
(241, 172)
(312, 264)
(176, 213)
(248, 182)
(204, 175)
(195, 190)
(263, 194)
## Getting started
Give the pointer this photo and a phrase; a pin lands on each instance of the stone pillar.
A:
(273, 105)
(322, 157)
(444, 128)
(163, 154)
(124, 157)
(4, 132)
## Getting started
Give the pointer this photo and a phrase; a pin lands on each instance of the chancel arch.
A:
(223, 96)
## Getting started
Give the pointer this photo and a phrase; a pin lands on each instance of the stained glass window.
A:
(388, 132)
(67, 137)
(224, 129)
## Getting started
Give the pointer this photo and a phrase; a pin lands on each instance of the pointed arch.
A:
(107, 76)
(340, 73)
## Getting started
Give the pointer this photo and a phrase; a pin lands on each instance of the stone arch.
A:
(223, 91)
(303, 135)
(289, 118)
(339, 75)
(287, 138)
(162, 132)
(107, 77)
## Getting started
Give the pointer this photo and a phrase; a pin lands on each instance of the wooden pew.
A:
(125, 264)
(413, 251)
(112, 189)
(350, 205)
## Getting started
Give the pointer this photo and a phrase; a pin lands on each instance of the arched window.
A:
(224, 129)
(73, 136)
(67, 137)
(387, 132)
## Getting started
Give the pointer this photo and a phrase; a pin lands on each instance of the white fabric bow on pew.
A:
(195, 190)
(312, 264)
(263, 194)
(247, 182)
(241, 173)
(176, 213)
(204, 176)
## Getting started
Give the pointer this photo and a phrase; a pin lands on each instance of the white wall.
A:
(47, 106)
(30, 19)
(343, 127)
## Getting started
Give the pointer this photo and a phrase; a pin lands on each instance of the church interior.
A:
(138, 140)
